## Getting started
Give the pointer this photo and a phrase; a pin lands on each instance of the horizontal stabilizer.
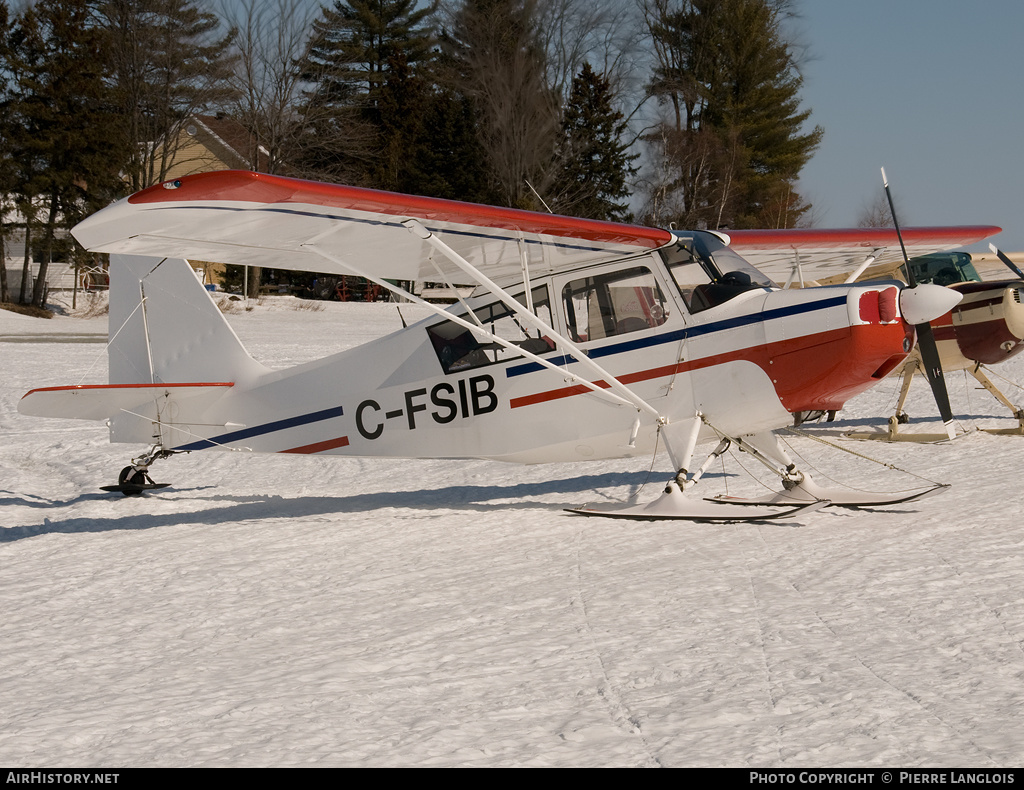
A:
(103, 401)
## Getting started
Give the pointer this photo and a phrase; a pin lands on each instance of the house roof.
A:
(234, 139)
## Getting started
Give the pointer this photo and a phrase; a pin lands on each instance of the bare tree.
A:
(273, 38)
(500, 63)
(604, 33)
(875, 213)
(7, 170)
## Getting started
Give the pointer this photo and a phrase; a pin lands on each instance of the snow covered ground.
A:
(295, 611)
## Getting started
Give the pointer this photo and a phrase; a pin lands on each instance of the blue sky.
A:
(933, 91)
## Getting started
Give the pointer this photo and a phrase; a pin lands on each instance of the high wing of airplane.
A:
(812, 255)
(583, 340)
(986, 327)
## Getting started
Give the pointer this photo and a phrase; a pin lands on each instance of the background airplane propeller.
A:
(1005, 259)
(925, 336)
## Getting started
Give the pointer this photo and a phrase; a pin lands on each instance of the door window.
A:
(613, 303)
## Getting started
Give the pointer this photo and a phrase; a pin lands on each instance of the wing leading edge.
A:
(250, 218)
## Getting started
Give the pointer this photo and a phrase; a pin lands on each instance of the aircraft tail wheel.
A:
(134, 479)
(131, 476)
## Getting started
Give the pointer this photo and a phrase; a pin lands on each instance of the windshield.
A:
(709, 273)
(726, 260)
(944, 268)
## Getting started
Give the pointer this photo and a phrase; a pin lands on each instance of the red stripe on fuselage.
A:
(820, 371)
(319, 447)
(131, 386)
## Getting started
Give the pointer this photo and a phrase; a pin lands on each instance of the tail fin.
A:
(172, 358)
(165, 328)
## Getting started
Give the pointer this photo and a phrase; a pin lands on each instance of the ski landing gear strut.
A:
(798, 486)
(134, 480)
(800, 494)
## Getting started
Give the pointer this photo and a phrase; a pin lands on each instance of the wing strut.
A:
(530, 318)
(795, 270)
(630, 400)
(864, 266)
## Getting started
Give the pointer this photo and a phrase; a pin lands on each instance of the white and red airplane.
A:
(583, 339)
(985, 328)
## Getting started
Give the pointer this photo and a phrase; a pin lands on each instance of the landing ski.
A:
(134, 489)
(918, 438)
(809, 491)
(893, 435)
(674, 505)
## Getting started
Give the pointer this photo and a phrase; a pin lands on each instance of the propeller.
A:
(1005, 259)
(915, 295)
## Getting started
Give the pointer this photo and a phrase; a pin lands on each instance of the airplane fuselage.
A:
(746, 364)
(987, 326)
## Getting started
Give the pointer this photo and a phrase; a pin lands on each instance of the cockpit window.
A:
(944, 268)
(709, 273)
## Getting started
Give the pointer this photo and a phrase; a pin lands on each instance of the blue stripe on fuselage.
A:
(688, 333)
(259, 430)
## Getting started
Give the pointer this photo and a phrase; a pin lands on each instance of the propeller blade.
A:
(925, 336)
(933, 370)
(911, 279)
(1005, 259)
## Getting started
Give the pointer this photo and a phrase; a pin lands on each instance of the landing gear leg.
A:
(999, 396)
(900, 417)
(685, 480)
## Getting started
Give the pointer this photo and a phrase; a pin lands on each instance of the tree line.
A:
(683, 112)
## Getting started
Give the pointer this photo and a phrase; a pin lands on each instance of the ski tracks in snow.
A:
(619, 712)
(899, 678)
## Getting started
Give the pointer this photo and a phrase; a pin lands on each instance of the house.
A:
(205, 143)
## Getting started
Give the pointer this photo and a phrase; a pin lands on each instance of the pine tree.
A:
(733, 146)
(62, 126)
(354, 45)
(427, 135)
(359, 49)
(449, 157)
(595, 163)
